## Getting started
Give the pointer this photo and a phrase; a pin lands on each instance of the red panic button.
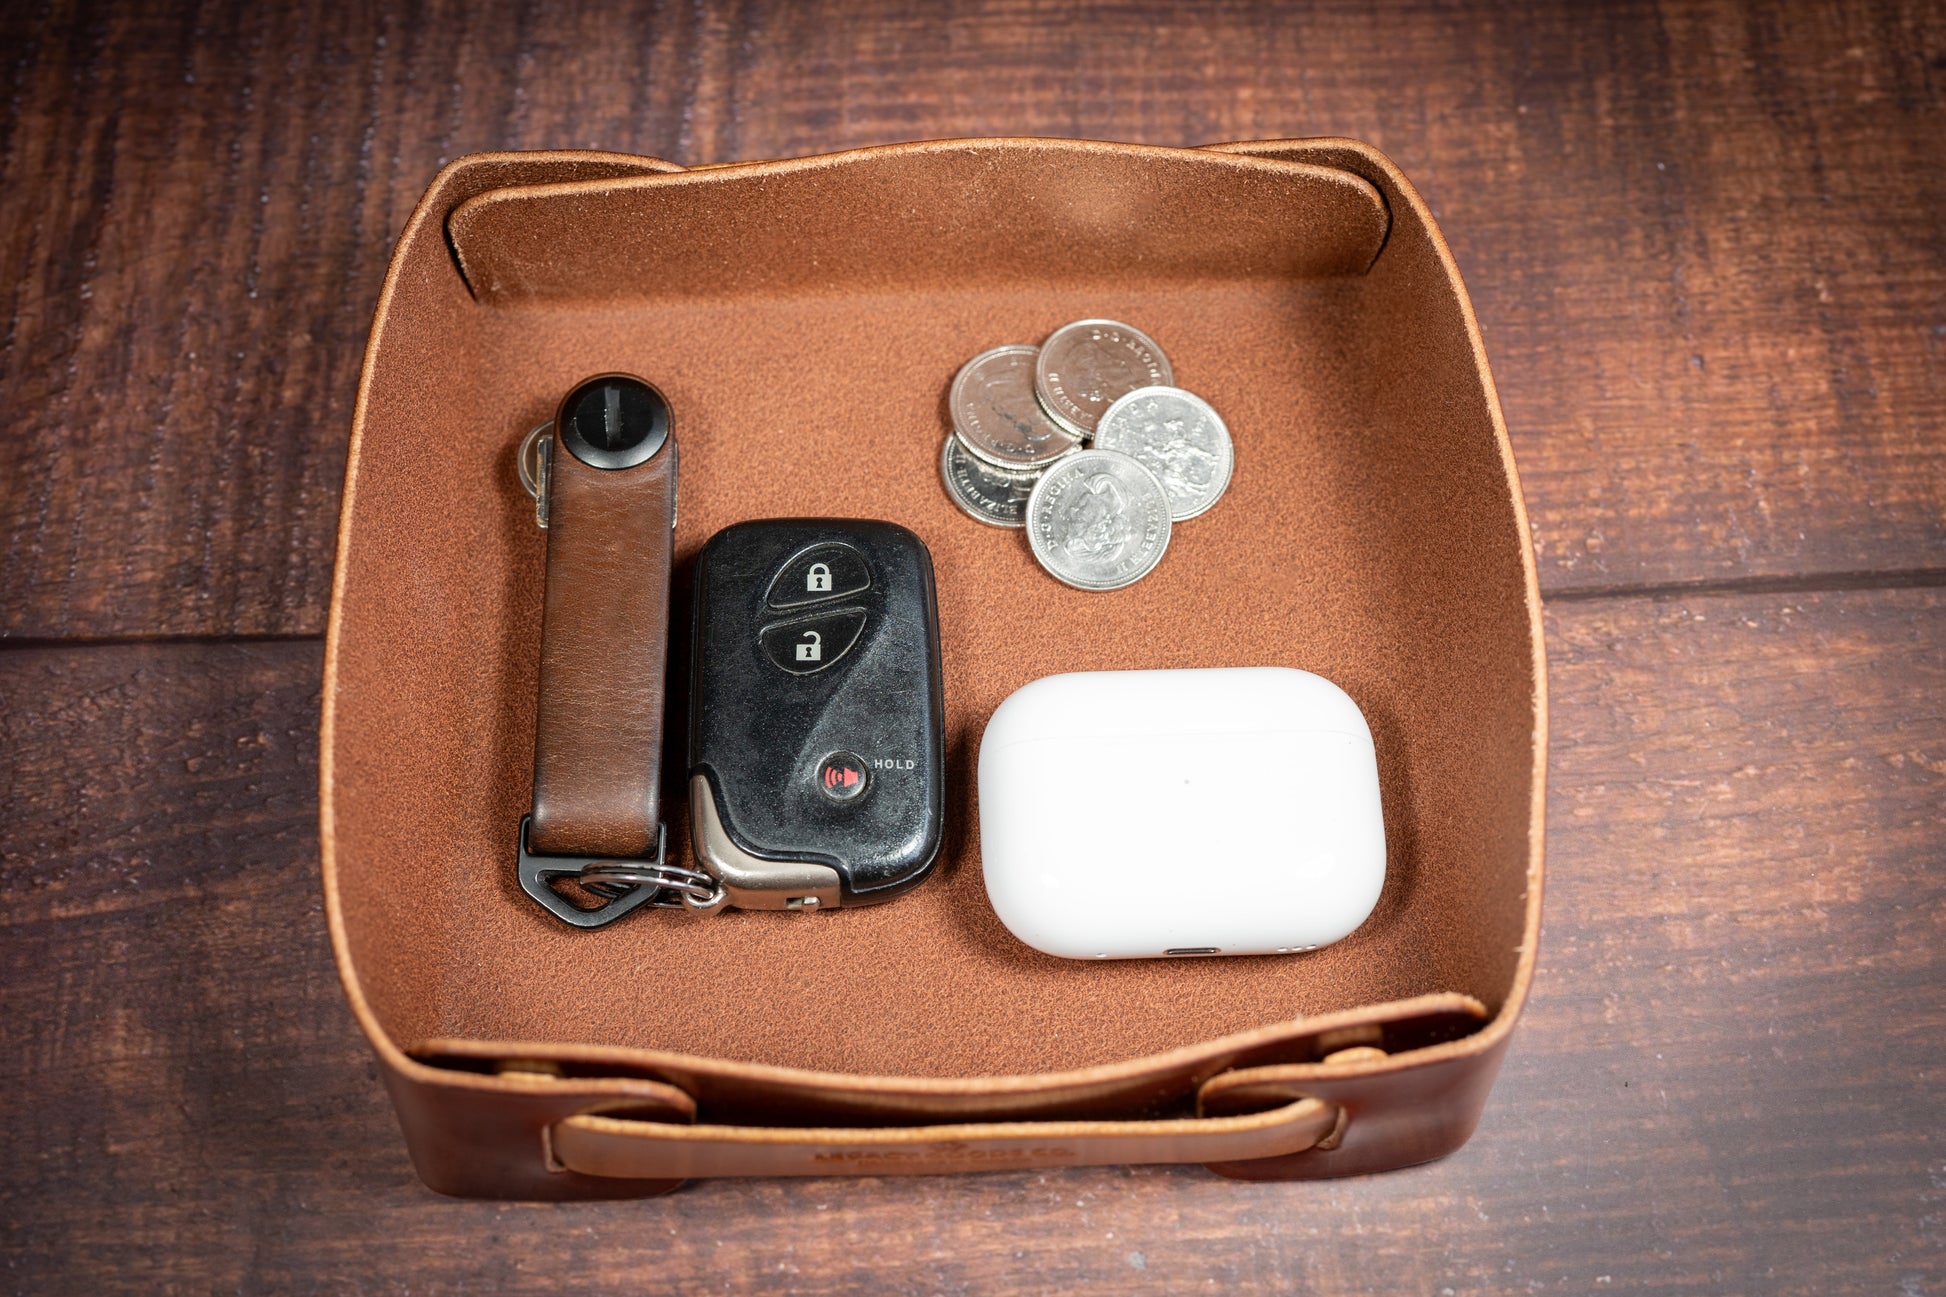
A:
(842, 777)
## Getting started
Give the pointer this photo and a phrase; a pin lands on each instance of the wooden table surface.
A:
(1707, 245)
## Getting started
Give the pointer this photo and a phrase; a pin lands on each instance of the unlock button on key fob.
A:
(809, 644)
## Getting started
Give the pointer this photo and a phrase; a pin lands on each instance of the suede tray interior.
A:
(805, 320)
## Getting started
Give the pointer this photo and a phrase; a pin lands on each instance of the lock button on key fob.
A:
(818, 575)
(817, 735)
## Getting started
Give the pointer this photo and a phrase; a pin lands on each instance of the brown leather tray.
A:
(804, 319)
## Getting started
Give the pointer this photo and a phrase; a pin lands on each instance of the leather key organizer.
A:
(605, 489)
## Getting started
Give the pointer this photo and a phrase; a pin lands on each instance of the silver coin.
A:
(1098, 520)
(997, 415)
(1179, 438)
(994, 495)
(1084, 366)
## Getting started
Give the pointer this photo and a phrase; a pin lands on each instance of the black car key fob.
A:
(817, 725)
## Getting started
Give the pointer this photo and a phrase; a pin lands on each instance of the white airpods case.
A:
(1132, 814)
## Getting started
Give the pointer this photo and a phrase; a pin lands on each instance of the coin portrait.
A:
(1098, 520)
(1083, 367)
(1091, 521)
(997, 415)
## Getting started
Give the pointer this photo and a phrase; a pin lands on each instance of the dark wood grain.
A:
(1726, 1080)
(1704, 242)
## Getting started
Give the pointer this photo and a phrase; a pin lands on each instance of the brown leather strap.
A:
(657, 1150)
(604, 651)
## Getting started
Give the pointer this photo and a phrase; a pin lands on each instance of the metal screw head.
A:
(613, 421)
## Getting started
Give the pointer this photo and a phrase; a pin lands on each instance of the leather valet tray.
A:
(804, 319)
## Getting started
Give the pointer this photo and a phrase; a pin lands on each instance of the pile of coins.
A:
(1085, 442)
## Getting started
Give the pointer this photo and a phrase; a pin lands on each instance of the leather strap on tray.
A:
(652, 1150)
(604, 653)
